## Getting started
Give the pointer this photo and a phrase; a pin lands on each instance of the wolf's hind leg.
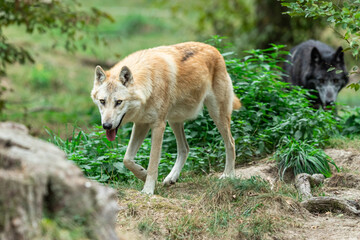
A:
(182, 153)
(221, 114)
(138, 135)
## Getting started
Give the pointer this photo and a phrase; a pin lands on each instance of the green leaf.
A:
(120, 167)
(339, 71)
(331, 69)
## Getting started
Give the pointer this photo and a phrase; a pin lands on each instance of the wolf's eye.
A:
(336, 80)
(102, 101)
(322, 80)
(118, 102)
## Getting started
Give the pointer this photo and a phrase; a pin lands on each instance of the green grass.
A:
(302, 157)
(344, 142)
(54, 230)
(55, 91)
(147, 226)
(203, 207)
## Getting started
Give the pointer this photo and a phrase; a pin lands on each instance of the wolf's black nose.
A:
(107, 126)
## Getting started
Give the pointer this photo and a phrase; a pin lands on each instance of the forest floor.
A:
(261, 207)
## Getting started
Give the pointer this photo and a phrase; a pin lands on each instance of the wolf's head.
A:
(111, 93)
(327, 75)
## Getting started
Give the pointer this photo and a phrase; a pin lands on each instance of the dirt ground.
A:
(301, 224)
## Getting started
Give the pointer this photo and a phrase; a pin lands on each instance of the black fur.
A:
(309, 68)
(187, 55)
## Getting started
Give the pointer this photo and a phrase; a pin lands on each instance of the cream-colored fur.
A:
(168, 83)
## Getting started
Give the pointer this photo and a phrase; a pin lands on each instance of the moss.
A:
(53, 230)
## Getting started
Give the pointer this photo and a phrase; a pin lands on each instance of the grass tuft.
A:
(302, 157)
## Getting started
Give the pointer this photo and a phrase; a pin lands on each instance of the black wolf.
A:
(316, 66)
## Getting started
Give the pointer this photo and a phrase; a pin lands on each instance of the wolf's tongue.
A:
(111, 134)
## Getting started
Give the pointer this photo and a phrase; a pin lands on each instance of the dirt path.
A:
(178, 211)
(325, 227)
(334, 226)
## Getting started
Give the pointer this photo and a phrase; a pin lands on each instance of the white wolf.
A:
(168, 83)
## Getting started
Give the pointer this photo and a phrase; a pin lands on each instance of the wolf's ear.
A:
(125, 76)
(339, 55)
(99, 75)
(315, 56)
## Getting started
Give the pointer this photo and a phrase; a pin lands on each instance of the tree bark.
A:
(304, 182)
(331, 204)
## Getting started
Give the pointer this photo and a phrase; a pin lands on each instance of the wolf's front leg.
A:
(138, 135)
(157, 134)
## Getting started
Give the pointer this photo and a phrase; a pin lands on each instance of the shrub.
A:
(351, 122)
(98, 158)
(272, 108)
(302, 157)
(271, 111)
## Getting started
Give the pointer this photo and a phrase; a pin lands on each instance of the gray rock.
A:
(37, 180)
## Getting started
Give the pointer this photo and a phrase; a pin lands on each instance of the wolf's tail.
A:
(236, 103)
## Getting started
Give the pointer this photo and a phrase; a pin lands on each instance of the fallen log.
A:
(304, 182)
(331, 204)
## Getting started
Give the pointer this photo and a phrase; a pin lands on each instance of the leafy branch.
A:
(43, 16)
(343, 15)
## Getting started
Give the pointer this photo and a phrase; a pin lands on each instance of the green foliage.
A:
(220, 17)
(339, 14)
(136, 24)
(55, 230)
(302, 157)
(344, 15)
(43, 77)
(248, 23)
(271, 111)
(94, 154)
(44, 17)
(351, 122)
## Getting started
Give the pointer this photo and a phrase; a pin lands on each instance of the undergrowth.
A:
(52, 229)
(272, 110)
(303, 157)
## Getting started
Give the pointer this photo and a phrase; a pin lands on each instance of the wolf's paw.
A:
(149, 192)
(171, 178)
(169, 181)
(149, 186)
